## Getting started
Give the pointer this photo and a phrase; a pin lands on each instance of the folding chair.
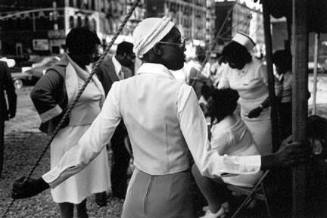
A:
(257, 192)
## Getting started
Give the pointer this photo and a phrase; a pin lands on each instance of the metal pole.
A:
(271, 85)
(299, 99)
(315, 74)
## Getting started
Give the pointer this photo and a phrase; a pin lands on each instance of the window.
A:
(92, 4)
(93, 25)
(79, 3)
(87, 22)
(71, 22)
(79, 21)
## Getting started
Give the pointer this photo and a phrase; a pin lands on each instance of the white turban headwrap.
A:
(149, 32)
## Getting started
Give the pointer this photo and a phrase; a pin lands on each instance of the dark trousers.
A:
(2, 145)
(285, 119)
(120, 163)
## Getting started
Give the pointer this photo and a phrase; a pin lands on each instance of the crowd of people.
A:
(178, 122)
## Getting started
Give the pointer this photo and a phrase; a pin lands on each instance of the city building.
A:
(189, 16)
(210, 23)
(40, 27)
(237, 16)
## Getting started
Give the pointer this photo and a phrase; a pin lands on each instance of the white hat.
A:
(149, 32)
(244, 40)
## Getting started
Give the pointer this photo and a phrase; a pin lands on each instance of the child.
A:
(229, 136)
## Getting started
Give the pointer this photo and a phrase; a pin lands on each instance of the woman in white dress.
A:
(51, 96)
(247, 75)
(229, 136)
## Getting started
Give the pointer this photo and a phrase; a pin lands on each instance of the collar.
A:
(117, 65)
(157, 69)
(83, 74)
(63, 60)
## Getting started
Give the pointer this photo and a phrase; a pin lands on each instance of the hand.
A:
(255, 112)
(292, 153)
(29, 188)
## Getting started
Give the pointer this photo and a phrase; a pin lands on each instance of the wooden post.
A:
(271, 83)
(299, 97)
(315, 74)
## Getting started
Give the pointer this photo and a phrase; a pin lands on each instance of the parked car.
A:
(20, 79)
(38, 69)
(34, 69)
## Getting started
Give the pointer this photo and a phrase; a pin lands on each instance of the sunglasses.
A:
(180, 45)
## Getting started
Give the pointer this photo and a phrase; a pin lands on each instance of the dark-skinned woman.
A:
(164, 122)
(247, 75)
(51, 97)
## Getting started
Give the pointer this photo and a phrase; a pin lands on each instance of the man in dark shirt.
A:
(8, 100)
(112, 69)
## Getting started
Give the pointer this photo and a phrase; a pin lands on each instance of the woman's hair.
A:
(81, 40)
(124, 48)
(283, 60)
(235, 52)
(223, 102)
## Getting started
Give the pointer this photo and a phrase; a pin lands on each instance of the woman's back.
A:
(233, 138)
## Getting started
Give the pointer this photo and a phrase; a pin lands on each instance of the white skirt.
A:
(94, 178)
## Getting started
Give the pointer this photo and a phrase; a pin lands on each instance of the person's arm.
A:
(80, 155)
(257, 111)
(289, 154)
(261, 74)
(10, 91)
(44, 95)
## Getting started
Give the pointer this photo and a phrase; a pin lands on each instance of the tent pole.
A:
(271, 83)
(299, 99)
(315, 74)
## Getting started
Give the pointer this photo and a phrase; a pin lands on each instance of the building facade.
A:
(210, 23)
(40, 27)
(236, 16)
(189, 16)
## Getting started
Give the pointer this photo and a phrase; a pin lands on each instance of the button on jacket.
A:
(164, 123)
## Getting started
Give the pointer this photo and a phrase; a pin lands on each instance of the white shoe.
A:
(209, 214)
(221, 213)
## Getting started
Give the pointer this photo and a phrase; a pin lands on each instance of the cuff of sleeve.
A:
(252, 164)
(48, 115)
(51, 176)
